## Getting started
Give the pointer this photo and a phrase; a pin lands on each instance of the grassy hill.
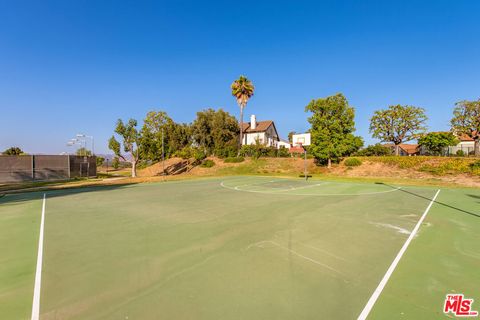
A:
(423, 170)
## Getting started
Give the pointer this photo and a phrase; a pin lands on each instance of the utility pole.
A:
(163, 157)
(305, 165)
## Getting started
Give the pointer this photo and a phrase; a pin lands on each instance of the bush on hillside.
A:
(207, 163)
(374, 150)
(189, 152)
(352, 162)
(475, 165)
(283, 152)
(234, 159)
(259, 150)
(226, 152)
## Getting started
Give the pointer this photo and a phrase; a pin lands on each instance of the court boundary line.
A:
(376, 294)
(38, 272)
(283, 193)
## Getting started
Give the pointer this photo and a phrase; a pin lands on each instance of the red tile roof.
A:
(296, 149)
(407, 148)
(464, 137)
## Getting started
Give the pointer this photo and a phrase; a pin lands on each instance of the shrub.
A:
(283, 152)
(475, 165)
(374, 150)
(228, 151)
(100, 161)
(352, 162)
(189, 152)
(199, 155)
(234, 159)
(460, 153)
(207, 163)
(115, 163)
(185, 153)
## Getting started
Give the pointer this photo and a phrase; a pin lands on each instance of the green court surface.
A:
(239, 248)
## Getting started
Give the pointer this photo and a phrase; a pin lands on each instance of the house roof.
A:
(296, 149)
(460, 136)
(262, 126)
(407, 148)
(464, 137)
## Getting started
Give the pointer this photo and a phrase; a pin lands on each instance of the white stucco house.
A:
(284, 143)
(466, 144)
(263, 131)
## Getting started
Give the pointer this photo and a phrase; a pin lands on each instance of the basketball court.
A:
(237, 248)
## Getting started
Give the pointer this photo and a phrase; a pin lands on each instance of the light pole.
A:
(73, 142)
(81, 135)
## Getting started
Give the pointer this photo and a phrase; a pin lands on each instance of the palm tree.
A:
(242, 90)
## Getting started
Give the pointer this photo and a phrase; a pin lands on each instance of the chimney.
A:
(253, 122)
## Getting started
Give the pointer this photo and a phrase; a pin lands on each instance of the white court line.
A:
(392, 267)
(307, 194)
(304, 187)
(38, 273)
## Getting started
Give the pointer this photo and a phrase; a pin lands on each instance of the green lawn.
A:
(238, 248)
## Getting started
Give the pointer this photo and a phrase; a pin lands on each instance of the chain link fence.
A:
(45, 167)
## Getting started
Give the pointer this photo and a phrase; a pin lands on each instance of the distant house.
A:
(284, 143)
(404, 149)
(466, 145)
(262, 131)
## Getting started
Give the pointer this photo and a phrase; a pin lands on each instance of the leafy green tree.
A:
(374, 150)
(13, 151)
(398, 124)
(332, 129)
(436, 142)
(155, 125)
(159, 128)
(131, 141)
(180, 137)
(242, 90)
(100, 161)
(215, 131)
(466, 120)
(83, 152)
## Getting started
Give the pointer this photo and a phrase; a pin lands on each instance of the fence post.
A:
(68, 166)
(33, 167)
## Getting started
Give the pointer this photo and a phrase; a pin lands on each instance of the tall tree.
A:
(398, 124)
(436, 142)
(214, 131)
(332, 129)
(161, 134)
(242, 90)
(155, 125)
(466, 120)
(131, 141)
(13, 151)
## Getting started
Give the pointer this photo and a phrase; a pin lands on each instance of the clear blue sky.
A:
(78, 66)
